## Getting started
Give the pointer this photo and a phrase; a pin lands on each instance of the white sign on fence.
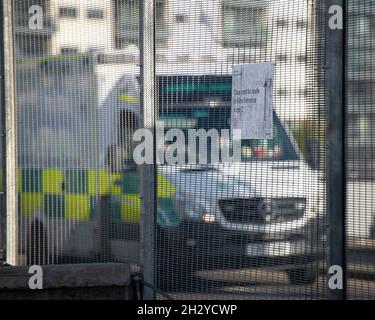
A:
(252, 100)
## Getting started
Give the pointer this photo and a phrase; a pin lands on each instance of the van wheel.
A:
(303, 276)
(37, 251)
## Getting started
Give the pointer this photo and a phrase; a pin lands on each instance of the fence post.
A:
(10, 136)
(335, 105)
(2, 144)
(148, 171)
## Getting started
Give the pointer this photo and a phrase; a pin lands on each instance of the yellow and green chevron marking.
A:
(73, 194)
(128, 206)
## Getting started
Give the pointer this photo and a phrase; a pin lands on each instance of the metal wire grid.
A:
(75, 131)
(360, 149)
(200, 259)
(34, 78)
(61, 109)
(196, 43)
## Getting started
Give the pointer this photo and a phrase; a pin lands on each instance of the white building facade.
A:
(209, 33)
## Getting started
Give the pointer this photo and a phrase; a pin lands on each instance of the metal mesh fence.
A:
(252, 229)
(360, 149)
(77, 110)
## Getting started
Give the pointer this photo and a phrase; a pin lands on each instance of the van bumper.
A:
(215, 245)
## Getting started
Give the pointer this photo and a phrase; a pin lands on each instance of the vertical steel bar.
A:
(10, 136)
(2, 143)
(148, 171)
(335, 106)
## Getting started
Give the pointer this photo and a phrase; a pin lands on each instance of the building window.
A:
(282, 23)
(126, 22)
(204, 19)
(282, 92)
(244, 26)
(301, 24)
(304, 92)
(69, 50)
(68, 12)
(281, 58)
(180, 18)
(182, 58)
(301, 58)
(95, 14)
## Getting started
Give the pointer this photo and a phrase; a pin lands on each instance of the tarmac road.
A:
(270, 284)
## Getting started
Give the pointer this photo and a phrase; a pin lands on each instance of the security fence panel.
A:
(77, 109)
(2, 153)
(203, 210)
(248, 215)
(360, 124)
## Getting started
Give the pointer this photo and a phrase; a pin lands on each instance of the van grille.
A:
(242, 210)
(253, 210)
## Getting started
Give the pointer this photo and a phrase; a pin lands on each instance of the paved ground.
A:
(261, 284)
(272, 284)
(265, 284)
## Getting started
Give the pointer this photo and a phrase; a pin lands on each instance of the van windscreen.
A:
(280, 148)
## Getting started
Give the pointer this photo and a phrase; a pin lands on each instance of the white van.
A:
(267, 209)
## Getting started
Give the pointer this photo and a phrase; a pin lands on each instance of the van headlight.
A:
(190, 208)
(208, 218)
